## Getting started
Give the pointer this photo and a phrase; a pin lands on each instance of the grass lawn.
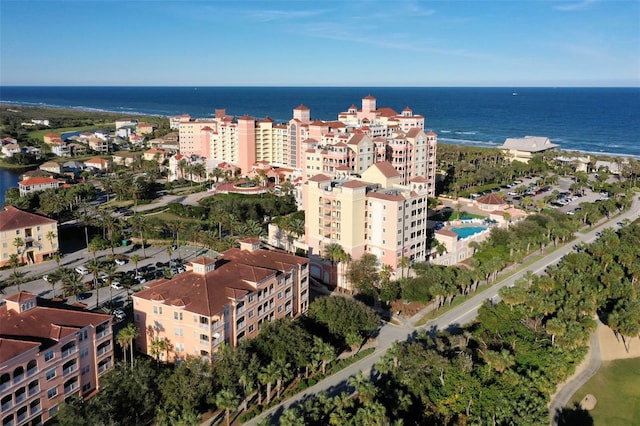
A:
(617, 388)
(39, 134)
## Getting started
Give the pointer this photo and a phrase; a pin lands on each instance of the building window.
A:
(48, 356)
(177, 316)
(51, 374)
(52, 392)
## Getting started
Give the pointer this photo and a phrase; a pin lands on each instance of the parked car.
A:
(119, 313)
(89, 285)
(82, 270)
(120, 261)
(45, 277)
(117, 285)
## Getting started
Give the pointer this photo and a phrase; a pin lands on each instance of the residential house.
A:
(51, 166)
(123, 158)
(11, 149)
(98, 164)
(38, 184)
(220, 301)
(127, 122)
(98, 144)
(145, 128)
(50, 138)
(34, 232)
(61, 149)
(155, 154)
(522, 149)
(47, 355)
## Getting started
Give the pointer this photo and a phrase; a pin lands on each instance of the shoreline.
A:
(443, 140)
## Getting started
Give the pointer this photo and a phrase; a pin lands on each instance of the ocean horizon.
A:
(596, 120)
(603, 121)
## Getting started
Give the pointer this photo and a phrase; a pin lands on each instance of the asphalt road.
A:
(454, 318)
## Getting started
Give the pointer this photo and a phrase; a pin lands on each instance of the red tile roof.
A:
(38, 181)
(319, 178)
(491, 199)
(301, 108)
(235, 275)
(354, 184)
(12, 218)
(386, 169)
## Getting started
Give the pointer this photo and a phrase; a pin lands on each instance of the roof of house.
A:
(13, 218)
(235, 275)
(97, 160)
(386, 169)
(38, 181)
(319, 178)
(354, 184)
(490, 199)
(529, 144)
(40, 325)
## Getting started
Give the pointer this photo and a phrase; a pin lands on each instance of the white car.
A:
(119, 313)
(46, 278)
(82, 270)
(117, 285)
(120, 261)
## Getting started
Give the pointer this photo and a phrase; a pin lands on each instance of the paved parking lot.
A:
(37, 285)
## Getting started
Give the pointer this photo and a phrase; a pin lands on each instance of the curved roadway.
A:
(457, 316)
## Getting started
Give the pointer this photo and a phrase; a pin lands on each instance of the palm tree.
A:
(53, 278)
(404, 263)
(126, 336)
(333, 252)
(110, 269)
(94, 266)
(71, 282)
(267, 376)
(16, 278)
(228, 401)
(138, 224)
(123, 341)
(157, 347)
(19, 243)
(50, 236)
(136, 259)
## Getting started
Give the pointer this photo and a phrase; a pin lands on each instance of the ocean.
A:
(604, 121)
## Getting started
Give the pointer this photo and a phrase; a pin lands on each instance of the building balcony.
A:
(6, 406)
(32, 371)
(4, 386)
(22, 417)
(69, 370)
(68, 352)
(35, 409)
(34, 390)
(71, 388)
(102, 334)
(104, 350)
(18, 378)
(104, 367)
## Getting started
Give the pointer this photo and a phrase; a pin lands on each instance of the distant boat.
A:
(514, 94)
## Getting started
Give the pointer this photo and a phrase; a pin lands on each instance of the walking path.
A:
(586, 370)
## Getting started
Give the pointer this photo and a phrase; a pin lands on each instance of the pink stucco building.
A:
(48, 354)
(222, 300)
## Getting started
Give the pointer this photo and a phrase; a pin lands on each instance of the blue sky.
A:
(321, 43)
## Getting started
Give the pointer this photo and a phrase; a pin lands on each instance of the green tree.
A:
(227, 400)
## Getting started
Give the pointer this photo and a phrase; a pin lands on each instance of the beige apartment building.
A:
(48, 354)
(222, 300)
(31, 231)
(374, 214)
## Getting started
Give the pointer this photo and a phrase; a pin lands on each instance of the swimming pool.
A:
(467, 231)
